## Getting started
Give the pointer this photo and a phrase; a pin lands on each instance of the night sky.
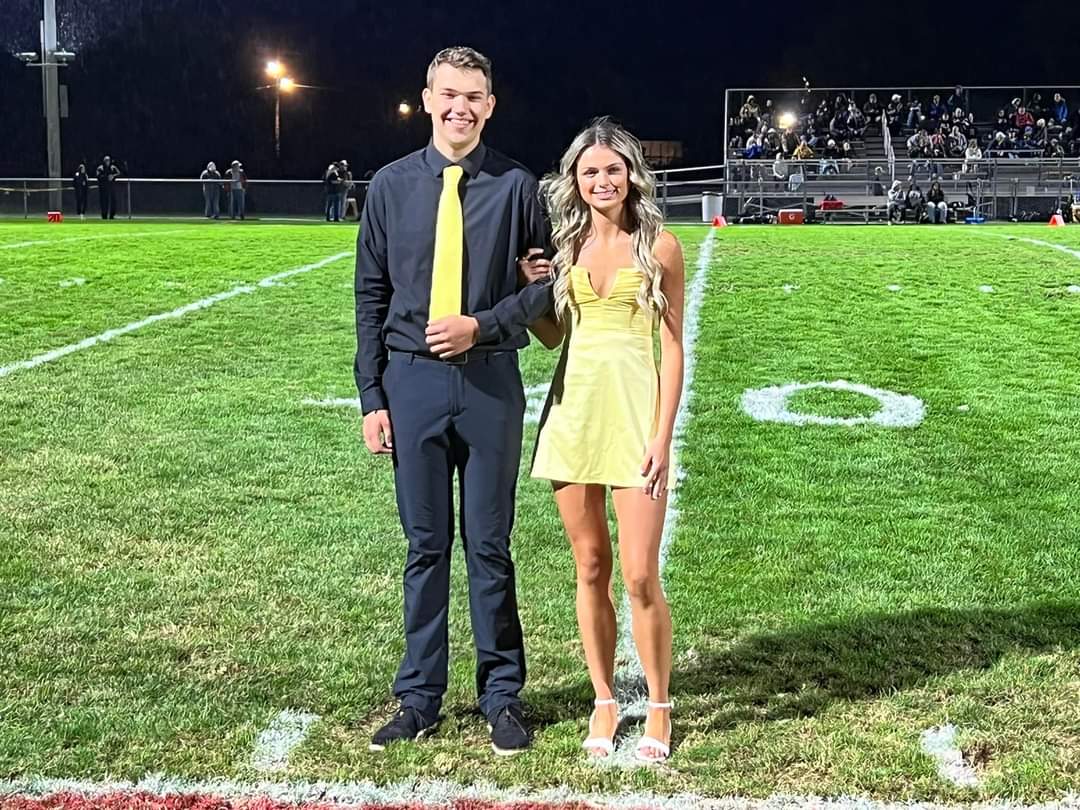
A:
(166, 85)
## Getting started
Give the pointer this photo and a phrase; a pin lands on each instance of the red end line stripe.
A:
(197, 801)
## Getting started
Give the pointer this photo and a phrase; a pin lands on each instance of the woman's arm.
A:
(672, 284)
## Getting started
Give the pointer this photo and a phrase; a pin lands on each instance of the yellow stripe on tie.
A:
(446, 269)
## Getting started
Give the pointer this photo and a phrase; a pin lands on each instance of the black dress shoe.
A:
(509, 734)
(406, 724)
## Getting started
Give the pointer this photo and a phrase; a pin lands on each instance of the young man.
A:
(439, 320)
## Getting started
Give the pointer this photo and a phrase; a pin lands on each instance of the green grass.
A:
(186, 549)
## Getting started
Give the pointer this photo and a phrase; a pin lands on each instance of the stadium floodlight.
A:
(26, 56)
(787, 120)
(63, 56)
(404, 109)
(286, 84)
(274, 69)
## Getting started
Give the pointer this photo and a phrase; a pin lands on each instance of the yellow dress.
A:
(604, 404)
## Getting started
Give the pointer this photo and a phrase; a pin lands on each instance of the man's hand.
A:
(377, 434)
(452, 335)
(534, 267)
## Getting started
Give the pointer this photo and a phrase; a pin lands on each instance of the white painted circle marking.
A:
(771, 405)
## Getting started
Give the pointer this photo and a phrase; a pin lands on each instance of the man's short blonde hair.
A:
(461, 58)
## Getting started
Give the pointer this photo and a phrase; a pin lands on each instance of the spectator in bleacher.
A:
(956, 99)
(969, 127)
(830, 157)
(958, 115)
(803, 151)
(788, 141)
(748, 114)
(914, 116)
(771, 142)
(872, 111)
(878, 187)
(754, 149)
(856, 120)
(1059, 109)
(847, 152)
(736, 143)
(838, 124)
(918, 144)
(779, 171)
(936, 111)
(1042, 133)
(937, 208)
(894, 113)
(897, 202)
(1035, 105)
(1022, 118)
(767, 116)
(972, 156)
(1054, 149)
(957, 142)
(1003, 121)
(915, 200)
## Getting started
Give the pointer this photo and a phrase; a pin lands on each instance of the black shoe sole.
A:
(506, 752)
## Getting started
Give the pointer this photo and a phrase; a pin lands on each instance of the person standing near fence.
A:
(237, 178)
(331, 183)
(81, 181)
(106, 174)
(344, 188)
(211, 190)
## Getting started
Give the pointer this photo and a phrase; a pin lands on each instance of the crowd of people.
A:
(939, 129)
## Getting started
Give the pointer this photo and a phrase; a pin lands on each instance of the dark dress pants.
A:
(449, 417)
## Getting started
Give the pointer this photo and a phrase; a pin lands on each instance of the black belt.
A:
(457, 359)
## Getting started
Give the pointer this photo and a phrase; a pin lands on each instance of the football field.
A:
(875, 583)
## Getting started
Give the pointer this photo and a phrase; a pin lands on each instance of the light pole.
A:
(51, 58)
(281, 83)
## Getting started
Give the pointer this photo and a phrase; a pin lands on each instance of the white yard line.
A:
(630, 677)
(441, 793)
(276, 742)
(69, 239)
(179, 312)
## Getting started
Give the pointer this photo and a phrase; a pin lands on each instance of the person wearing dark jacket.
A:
(81, 181)
(936, 207)
(106, 174)
(331, 183)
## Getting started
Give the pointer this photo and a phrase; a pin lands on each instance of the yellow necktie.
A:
(449, 249)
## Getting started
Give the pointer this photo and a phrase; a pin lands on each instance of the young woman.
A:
(609, 418)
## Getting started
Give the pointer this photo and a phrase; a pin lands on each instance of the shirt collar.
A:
(471, 163)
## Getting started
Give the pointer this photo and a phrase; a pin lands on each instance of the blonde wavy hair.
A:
(571, 219)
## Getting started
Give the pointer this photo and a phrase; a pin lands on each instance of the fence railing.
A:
(159, 197)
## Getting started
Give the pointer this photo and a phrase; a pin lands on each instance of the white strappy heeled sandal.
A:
(605, 744)
(651, 742)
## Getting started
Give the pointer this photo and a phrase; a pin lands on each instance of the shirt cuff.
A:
(373, 399)
(489, 327)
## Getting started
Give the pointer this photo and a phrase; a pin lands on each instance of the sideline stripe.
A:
(179, 312)
(416, 794)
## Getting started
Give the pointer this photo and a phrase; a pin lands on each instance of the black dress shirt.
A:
(396, 246)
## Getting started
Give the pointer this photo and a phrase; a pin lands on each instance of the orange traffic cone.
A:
(719, 222)
(1057, 220)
